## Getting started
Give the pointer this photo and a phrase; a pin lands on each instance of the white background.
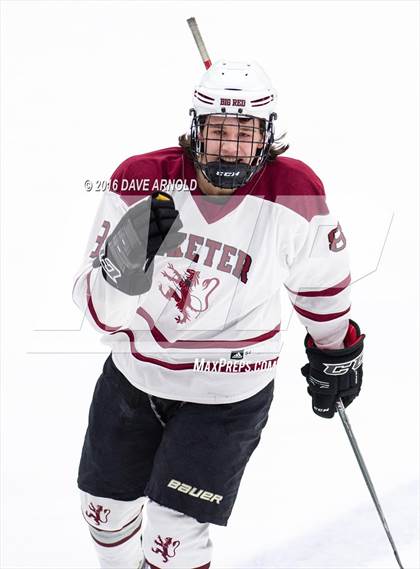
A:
(87, 84)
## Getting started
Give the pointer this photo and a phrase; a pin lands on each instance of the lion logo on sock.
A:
(98, 513)
(166, 547)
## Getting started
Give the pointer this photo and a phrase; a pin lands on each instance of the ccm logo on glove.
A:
(334, 374)
(343, 368)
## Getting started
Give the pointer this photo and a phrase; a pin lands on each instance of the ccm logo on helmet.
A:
(192, 491)
(233, 102)
(341, 369)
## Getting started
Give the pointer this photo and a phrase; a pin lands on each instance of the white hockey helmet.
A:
(241, 90)
(238, 87)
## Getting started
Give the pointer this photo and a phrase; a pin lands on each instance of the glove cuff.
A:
(353, 341)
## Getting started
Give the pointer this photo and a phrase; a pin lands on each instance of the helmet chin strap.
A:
(225, 175)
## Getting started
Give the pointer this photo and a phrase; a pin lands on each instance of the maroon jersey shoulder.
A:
(294, 177)
(293, 184)
(138, 176)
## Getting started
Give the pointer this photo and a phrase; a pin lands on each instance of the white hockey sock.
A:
(120, 549)
(115, 529)
(172, 540)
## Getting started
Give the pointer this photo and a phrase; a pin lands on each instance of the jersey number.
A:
(100, 239)
(336, 239)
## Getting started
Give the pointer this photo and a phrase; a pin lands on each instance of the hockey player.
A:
(184, 285)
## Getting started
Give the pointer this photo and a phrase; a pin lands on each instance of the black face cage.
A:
(227, 168)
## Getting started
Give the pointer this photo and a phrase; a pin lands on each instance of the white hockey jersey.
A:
(208, 330)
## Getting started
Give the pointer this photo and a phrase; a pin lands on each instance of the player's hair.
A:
(278, 147)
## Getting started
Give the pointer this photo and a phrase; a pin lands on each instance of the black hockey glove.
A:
(332, 374)
(148, 228)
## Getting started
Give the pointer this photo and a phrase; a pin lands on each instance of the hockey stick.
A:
(199, 41)
(353, 442)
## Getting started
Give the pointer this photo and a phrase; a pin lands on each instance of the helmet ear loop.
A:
(268, 137)
(199, 139)
(270, 128)
(258, 157)
(194, 136)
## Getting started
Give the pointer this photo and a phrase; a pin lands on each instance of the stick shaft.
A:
(199, 41)
(363, 468)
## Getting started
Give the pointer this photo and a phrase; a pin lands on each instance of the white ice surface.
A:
(87, 84)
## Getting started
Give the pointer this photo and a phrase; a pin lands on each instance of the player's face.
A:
(232, 139)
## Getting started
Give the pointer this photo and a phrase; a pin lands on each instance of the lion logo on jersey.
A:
(98, 513)
(190, 295)
(166, 547)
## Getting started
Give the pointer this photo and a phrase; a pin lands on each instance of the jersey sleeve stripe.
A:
(320, 317)
(331, 291)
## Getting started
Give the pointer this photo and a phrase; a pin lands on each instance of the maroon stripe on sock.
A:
(120, 542)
